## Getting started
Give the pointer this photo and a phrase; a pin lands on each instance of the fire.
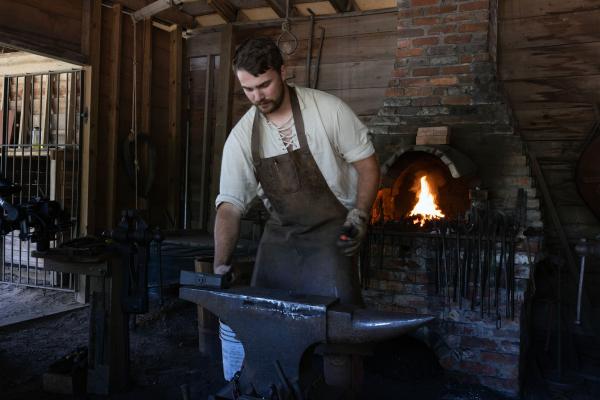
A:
(426, 209)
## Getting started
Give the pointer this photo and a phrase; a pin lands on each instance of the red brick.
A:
(475, 368)
(418, 91)
(444, 81)
(426, 102)
(403, 43)
(415, 82)
(482, 57)
(453, 39)
(426, 41)
(466, 58)
(470, 27)
(403, 32)
(409, 52)
(498, 358)
(442, 29)
(456, 69)
(457, 100)
(478, 343)
(399, 72)
(439, 10)
(394, 92)
(411, 12)
(428, 71)
(476, 5)
(420, 3)
(426, 21)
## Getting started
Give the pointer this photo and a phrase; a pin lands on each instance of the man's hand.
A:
(353, 231)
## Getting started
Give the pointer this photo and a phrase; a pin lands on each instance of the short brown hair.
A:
(257, 55)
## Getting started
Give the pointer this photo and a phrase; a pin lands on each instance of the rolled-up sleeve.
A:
(352, 136)
(238, 184)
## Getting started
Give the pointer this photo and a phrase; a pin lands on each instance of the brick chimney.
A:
(445, 75)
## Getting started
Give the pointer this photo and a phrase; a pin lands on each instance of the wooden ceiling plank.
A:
(225, 9)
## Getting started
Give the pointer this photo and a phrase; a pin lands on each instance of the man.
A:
(309, 159)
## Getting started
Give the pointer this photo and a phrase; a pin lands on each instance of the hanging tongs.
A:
(285, 30)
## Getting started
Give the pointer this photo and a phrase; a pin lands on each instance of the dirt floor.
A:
(165, 359)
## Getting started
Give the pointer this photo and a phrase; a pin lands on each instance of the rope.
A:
(133, 130)
(285, 30)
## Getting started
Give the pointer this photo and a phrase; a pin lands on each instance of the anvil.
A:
(278, 328)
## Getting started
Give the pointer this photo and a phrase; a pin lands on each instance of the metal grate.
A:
(40, 151)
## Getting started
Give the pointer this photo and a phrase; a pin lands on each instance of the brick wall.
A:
(445, 75)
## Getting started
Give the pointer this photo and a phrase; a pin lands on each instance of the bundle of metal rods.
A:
(474, 263)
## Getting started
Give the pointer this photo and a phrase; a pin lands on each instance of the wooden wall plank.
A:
(554, 61)
(174, 132)
(551, 30)
(557, 89)
(511, 9)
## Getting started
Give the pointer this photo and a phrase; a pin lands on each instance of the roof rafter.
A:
(172, 14)
(225, 9)
(278, 6)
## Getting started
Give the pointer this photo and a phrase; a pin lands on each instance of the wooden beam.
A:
(91, 50)
(340, 5)
(112, 136)
(174, 134)
(223, 110)
(278, 6)
(225, 9)
(172, 14)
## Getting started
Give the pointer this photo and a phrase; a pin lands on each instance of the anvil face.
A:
(277, 328)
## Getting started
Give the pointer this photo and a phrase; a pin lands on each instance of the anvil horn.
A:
(360, 325)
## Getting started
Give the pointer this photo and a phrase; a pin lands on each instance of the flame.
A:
(426, 209)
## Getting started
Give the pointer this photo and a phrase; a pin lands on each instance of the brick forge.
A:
(445, 76)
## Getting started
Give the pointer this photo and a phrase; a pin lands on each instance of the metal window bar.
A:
(41, 152)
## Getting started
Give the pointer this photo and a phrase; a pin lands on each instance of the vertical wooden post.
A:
(174, 143)
(112, 136)
(90, 48)
(146, 120)
(223, 113)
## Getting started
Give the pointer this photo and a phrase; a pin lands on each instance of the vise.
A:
(278, 330)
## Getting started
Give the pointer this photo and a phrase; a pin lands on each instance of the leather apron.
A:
(298, 250)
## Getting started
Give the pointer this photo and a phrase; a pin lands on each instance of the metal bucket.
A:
(232, 350)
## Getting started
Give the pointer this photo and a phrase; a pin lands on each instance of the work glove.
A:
(222, 269)
(353, 231)
(226, 270)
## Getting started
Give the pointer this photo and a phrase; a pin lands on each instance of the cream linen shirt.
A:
(336, 138)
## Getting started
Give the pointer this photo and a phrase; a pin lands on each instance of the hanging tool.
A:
(285, 30)
(311, 28)
(318, 67)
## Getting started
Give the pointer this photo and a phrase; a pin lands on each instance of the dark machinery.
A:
(117, 269)
(38, 220)
(279, 329)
